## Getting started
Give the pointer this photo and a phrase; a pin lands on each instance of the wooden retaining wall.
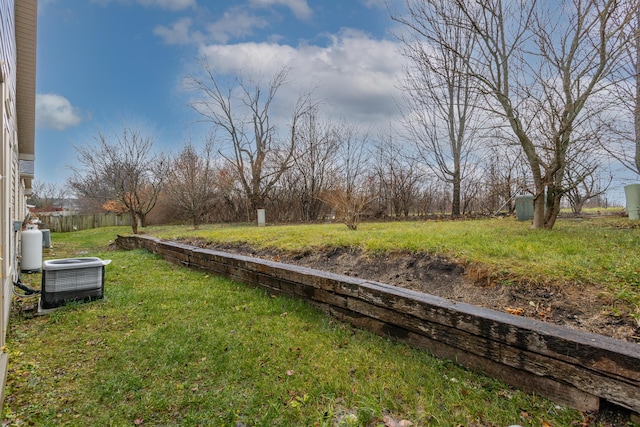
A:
(574, 368)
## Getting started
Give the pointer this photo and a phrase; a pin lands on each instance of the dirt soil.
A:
(585, 307)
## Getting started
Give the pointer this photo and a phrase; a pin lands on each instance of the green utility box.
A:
(524, 207)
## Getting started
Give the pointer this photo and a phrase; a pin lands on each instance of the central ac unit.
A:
(72, 279)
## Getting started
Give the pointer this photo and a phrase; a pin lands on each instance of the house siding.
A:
(16, 145)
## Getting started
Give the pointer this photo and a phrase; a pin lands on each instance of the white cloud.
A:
(355, 75)
(235, 23)
(169, 4)
(300, 8)
(162, 4)
(375, 4)
(56, 112)
(178, 34)
(253, 59)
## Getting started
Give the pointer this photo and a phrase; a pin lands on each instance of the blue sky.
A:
(103, 62)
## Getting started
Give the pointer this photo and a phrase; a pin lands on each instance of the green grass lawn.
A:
(601, 251)
(169, 346)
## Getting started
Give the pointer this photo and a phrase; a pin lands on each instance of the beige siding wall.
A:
(12, 188)
(5, 215)
(8, 77)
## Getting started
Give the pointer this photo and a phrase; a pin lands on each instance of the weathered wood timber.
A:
(571, 367)
(65, 223)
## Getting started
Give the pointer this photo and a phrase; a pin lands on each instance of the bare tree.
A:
(398, 175)
(587, 189)
(243, 112)
(314, 163)
(191, 184)
(439, 96)
(433, 199)
(47, 196)
(634, 60)
(229, 192)
(624, 121)
(122, 170)
(350, 196)
(537, 64)
(503, 178)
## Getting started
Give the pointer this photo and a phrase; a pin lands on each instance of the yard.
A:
(169, 346)
(584, 274)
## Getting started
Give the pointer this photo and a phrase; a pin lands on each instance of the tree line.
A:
(500, 98)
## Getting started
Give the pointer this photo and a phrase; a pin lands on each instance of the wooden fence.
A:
(571, 367)
(59, 223)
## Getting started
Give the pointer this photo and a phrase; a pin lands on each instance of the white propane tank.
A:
(31, 249)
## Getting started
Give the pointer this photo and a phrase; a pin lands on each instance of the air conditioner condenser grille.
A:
(72, 279)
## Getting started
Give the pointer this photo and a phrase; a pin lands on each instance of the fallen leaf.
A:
(290, 372)
(516, 311)
(295, 403)
(138, 421)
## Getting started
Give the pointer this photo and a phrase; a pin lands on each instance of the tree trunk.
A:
(578, 205)
(256, 201)
(455, 205)
(134, 221)
(538, 210)
(552, 206)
